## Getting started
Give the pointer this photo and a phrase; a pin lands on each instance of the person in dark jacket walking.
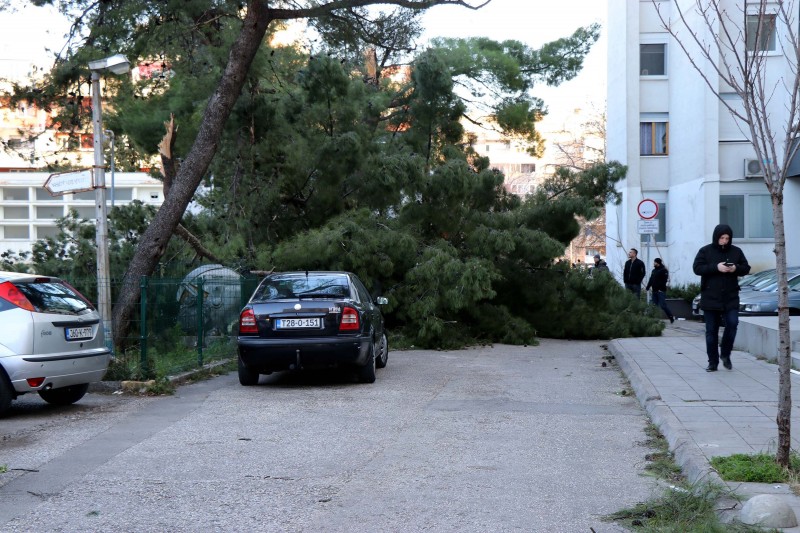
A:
(634, 273)
(658, 283)
(719, 266)
(599, 265)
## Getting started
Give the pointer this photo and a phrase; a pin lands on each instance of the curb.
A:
(687, 454)
(110, 387)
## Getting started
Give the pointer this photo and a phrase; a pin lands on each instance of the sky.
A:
(25, 35)
(535, 23)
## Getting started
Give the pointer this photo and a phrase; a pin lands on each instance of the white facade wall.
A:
(706, 149)
(28, 212)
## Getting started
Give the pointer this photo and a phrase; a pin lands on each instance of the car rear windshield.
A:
(300, 286)
(52, 296)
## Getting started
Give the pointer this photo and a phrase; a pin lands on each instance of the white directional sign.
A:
(74, 181)
(647, 227)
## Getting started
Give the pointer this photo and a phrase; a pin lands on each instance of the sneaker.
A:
(726, 362)
(710, 368)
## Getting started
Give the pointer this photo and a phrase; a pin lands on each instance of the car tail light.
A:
(350, 320)
(247, 322)
(10, 293)
(35, 382)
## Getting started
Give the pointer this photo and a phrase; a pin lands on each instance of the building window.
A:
(20, 143)
(43, 232)
(15, 213)
(760, 33)
(42, 194)
(652, 59)
(84, 195)
(653, 138)
(661, 236)
(748, 215)
(49, 212)
(15, 193)
(16, 232)
(121, 193)
(85, 213)
(87, 141)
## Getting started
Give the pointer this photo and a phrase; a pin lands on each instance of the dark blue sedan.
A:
(305, 320)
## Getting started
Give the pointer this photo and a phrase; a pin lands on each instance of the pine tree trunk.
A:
(154, 240)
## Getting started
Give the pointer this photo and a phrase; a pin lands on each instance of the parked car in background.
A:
(304, 320)
(764, 301)
(759, 281)
(51, 340)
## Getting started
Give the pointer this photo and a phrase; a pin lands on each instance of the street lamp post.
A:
(116, 64)
(112, 137)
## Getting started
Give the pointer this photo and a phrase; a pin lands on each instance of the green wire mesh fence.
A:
(180, 323)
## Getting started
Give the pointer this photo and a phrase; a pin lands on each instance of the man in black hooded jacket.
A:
(719, 266)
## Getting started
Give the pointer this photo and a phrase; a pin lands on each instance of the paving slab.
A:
(707, 414)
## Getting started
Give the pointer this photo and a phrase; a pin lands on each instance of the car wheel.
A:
(382, 355)
(6, 394)
(366, 373)
(64, 395)
(247, 377)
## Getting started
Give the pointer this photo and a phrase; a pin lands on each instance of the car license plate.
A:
(77, 334)
(290, 323)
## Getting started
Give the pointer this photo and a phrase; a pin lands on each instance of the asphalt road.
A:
(506, 438)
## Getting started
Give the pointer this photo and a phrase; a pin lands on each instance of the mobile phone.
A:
(728, 264)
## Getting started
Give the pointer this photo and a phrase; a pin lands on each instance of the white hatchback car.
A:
(51, 340)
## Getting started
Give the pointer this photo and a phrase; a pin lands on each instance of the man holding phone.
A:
(719, 266)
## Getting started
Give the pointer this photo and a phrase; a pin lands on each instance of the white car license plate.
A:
(76, 334)
(287, 323)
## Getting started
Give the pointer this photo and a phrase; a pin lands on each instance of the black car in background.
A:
(305, 320)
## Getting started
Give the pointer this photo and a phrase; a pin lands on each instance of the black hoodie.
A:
(719, 290)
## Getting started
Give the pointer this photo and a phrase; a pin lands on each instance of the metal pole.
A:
(143, 327)
(111, 136)
(200, 319)
(101, 215)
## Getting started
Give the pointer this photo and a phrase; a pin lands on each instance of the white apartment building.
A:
(682, 147)
(28, 212)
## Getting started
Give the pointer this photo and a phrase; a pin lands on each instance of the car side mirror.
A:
(380, 300)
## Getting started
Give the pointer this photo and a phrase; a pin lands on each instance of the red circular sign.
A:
(648, 209)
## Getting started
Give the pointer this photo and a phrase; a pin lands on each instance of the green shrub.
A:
(686, 292)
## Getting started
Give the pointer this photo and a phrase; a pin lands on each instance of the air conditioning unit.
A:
(752, 169)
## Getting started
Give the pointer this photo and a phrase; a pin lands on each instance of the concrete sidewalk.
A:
(706, 414)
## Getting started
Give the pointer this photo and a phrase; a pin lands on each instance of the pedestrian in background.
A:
(634, 273)
(659, 278)
(719, 266)
(599, 264)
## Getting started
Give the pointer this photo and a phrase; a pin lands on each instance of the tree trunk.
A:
(154, 241)
(784, 416)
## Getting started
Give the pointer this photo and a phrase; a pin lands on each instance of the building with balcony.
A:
(683, 148)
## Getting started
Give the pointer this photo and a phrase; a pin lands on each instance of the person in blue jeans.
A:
(658, 284)
(719, 266)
